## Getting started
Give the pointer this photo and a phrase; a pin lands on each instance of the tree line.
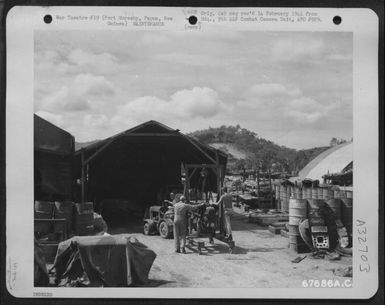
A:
(260, 153)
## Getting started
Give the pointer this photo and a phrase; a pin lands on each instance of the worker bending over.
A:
(180, 226)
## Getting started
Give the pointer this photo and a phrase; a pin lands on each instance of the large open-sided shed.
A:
(143, 164)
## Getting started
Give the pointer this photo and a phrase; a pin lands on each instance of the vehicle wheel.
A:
(146, 229)
(164, 230)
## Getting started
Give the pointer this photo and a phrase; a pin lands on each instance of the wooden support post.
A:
(187, 184)
(219, 191)
(193, 172)
(82, 178)
(270, 187)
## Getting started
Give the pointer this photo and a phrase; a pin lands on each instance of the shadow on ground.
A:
(241, 250)
(244, 225)
(155, 283)
(208, 249)
(118, 225)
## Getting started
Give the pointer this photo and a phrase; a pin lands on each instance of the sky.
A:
(293, 88)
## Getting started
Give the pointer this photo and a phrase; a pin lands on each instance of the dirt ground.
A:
(260, 259)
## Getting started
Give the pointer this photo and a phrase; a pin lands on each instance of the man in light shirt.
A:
(180, 223)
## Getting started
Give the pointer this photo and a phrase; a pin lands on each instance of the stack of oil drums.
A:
(64, 210)
(307, 202)
(79, 217)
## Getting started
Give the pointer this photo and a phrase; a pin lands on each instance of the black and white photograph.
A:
(193, 158)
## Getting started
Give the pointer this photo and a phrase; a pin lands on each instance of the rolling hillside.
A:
(247, 150)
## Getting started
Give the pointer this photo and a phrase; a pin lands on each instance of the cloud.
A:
(79, 95)
(56, 119)
(95, 120)
(198, 60)
(88, 84)
(151, 39)
(184, 104)
(99, 63)
(297, 49)
(75, 61)
(307, 110)
(274, 101)
(342, 57)
(64, 100)
(272, 90)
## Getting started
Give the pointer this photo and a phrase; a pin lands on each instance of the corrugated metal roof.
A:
(333, 160)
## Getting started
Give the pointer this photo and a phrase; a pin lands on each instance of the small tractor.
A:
(160, 221)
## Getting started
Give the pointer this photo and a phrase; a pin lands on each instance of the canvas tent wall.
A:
(53, 151)
(333, 160)
(137, 165)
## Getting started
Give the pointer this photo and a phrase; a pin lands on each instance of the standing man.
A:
(225, 204)
(171, 201)
(180, 229)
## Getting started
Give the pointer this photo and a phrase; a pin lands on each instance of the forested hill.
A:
(246, 149)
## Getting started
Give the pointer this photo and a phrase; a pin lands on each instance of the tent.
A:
(53, 151)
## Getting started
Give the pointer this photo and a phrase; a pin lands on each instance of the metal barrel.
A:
(281, 196)
(347, 213)
(296, 193)
(84, 207)
(276, 191)
(291, 192)
(314, 212)
(64, 210)
(320, 193)
(43, 210)
(314, 193)
(297, 211)
(284, 199)
(327, 194)
(339, 194)
(84, 218)
(293, 230)
(285, 206)
(281, 191)
(336, 205)
(299, 193)
(277, 197)
(349, 194)
(295, 240)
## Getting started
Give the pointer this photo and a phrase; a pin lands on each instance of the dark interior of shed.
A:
(134, 172)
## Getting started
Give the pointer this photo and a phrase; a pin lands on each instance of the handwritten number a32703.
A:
(362, 245)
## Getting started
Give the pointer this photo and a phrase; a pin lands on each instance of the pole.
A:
(270, 188)
(82, 178)
(258, 181)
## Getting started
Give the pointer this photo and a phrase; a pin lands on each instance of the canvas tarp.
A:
(103, 261)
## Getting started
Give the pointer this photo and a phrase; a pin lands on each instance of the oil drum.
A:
(335, 205)
(43, 210)
(347, 213)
